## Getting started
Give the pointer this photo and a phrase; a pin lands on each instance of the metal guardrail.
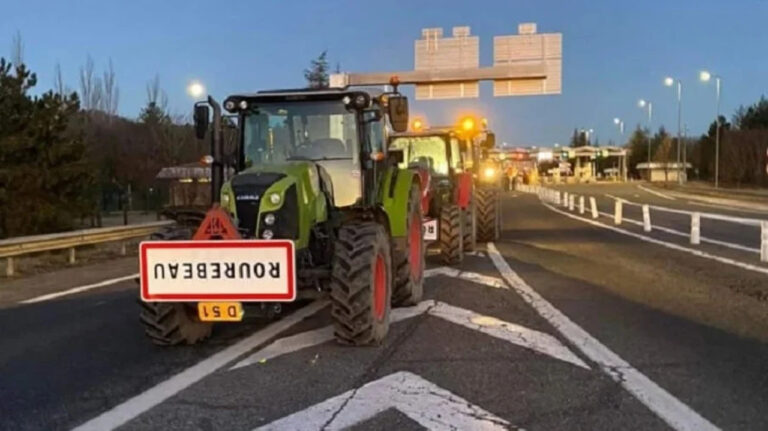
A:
(13, 247)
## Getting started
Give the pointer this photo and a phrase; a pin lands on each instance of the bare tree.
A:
(58, 80)
(17, 49)
(156, 96)
(97, 95)
(111, 92)
(87, 84)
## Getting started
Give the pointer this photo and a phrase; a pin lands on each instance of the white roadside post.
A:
(557, 197)
(695, 228)
(764, 241)
(571, 200)
(617, 212)
(593, 206)
(581, 204)
(565, 199)
(646, 218)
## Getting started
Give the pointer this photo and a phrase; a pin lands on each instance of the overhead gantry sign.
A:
(525, 64)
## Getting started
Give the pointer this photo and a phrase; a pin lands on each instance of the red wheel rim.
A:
(379, 288)
(414, 243)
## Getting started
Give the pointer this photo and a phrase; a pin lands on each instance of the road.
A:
(561, 324)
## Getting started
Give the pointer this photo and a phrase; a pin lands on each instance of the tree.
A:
(753, 117)
(578, 139)
(45, 178)
(317, 74)
(156, 110)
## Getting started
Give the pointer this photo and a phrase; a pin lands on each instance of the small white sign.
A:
(430, 230)
(243, 270)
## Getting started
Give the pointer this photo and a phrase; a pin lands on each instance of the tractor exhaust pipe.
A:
(217, 168)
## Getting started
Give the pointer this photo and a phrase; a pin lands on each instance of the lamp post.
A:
(705, 76)
(669, 82)
(643, 104)
(620, 124)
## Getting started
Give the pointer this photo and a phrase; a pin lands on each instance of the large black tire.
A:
(451, 238)
(487, 215)
(361, 284)
(409, 262)
(469, 230)
(172, 323)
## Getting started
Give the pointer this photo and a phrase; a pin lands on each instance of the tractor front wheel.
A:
(451, 238)
(409, 262)
(172, 323)
(361, 283)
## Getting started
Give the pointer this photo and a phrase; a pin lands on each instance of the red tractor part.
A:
(464, 190)
(216, 225)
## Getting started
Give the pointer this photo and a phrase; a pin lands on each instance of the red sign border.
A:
(250, 297)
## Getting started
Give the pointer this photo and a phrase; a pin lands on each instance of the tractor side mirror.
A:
(201, 117)
(490, 141)
(398, 112)
(396, 156)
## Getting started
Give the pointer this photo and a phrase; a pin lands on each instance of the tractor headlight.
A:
(275, 198)
(243, 105)
(489, 172)
(267, 234)
(229, 105)
(269, 219)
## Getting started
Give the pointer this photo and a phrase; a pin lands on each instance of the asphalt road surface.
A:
(561, 324)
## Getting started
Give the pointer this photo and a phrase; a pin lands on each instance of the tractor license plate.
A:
(430, 230)
(211, 271)
(220, 311)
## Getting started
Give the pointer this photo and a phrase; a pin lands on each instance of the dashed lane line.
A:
(671, 410)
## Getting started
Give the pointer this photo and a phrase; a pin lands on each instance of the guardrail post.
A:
(72, 259)
(9, 266)
(581, 204)
(646, 218)
(617, 212)
(695, 228)
(593, 207)
(764, 241)
(571, 200)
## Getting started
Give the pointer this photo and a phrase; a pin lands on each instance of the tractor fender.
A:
(464, 192)
(397, 191)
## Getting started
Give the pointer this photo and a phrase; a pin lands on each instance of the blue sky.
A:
(615, 52)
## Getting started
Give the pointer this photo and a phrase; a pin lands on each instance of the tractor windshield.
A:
(311, 130)
(429, 152)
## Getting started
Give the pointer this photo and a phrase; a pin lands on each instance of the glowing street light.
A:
(706, 76)
(195, 89)
(617, 121)
(642, 104)
(669, 82)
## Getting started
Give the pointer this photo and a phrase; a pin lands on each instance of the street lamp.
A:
(195, 89)
(705, 76)
(643, 104)
(617, 121)
(669, 82)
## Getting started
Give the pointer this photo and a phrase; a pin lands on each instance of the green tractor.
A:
(315, 205)
(450, 209)
(488, 183)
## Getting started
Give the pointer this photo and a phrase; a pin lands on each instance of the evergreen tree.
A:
(317, 74)
(44, 179)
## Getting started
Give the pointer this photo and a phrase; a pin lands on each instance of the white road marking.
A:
(730, 208)
(78, 289)
(654, 192)
(497, 328)
(699, 253)
(686, 235)
(128, 410)
(673, 411)
(422, 401)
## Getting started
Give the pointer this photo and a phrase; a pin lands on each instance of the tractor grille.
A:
(287, 217)
(249, 190)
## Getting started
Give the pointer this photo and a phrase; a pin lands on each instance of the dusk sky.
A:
(615, 52)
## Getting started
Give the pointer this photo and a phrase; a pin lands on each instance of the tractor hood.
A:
(289, 191)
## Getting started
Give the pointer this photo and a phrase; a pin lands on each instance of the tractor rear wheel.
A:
(172, 323)
(361, 284)
(451, 238)
(487, 215)
(409, 262)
